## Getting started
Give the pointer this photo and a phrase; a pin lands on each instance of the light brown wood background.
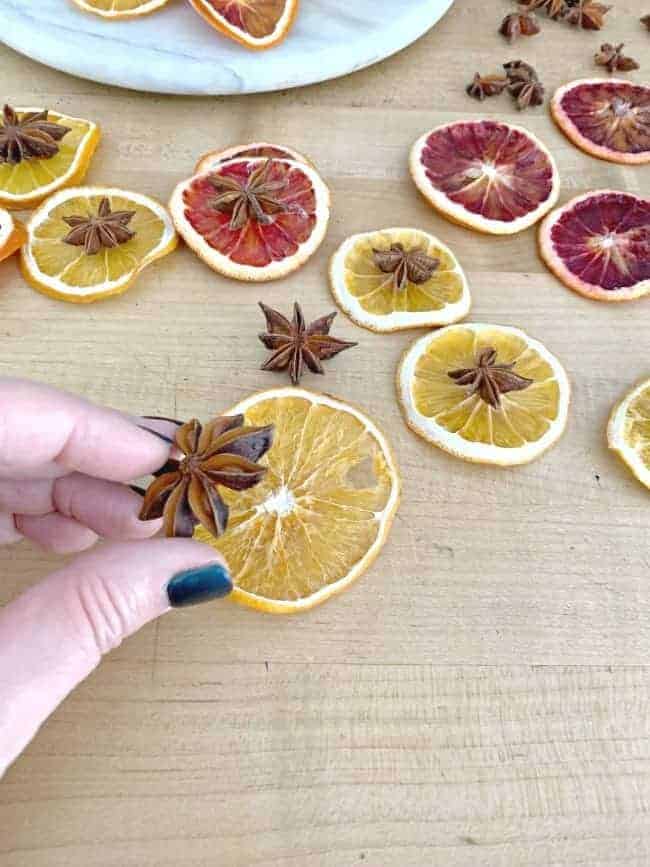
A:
(480, 698)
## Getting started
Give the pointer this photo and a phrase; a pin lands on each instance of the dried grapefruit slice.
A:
(490, 176)
(394, 279)
(628, 431)
(323, 511)
(255, 149)
(608, 118)
(485, 393)
(598, 244)
(12, 234)
(115, 9)
(253, 219)
(257, 24)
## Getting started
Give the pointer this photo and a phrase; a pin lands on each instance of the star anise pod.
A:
(406, 266)
(519, 24)
(519, 71)
(553, 8)
(489, 379)
(486, 85)
(587, 14)
(105, 229)
(612, 57)
(645, 21)
(29, 136)
(296, 344)
(523, 84)
(256, 199)
(223, 453)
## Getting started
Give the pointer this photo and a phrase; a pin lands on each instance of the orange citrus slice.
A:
(115, 9)
(394, 279)
(608, 118)
(27, 183)
(12, 234)
(66, 266)
(255, 149)
(322, 512)
(598, 245)
(490, 176)
(253, 219)
(257, 24)
(485, 393)
(628, 431)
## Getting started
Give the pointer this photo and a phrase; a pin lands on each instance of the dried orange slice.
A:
(257, 24)
(323, 511)
(255, 149)
(115, 9)
(27, 182)
(12, 234)
(88, 243)
(628, 431)
(253, 219)
(598, 245)
(485, 393)
(490, 176)
(608, 118)
(398, 278)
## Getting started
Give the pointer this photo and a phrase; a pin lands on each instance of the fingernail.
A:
(138, 490)
(199, 585)
(163, 418)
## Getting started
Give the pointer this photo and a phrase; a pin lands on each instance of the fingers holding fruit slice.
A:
(116, 9)
(257, 24)
(12, 234)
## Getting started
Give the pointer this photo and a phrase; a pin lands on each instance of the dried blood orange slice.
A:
(255, 149)
(257, 24)
(12, 234)
(608, 118)
(599, 245)
(253, 219)
(491, 176)
(120, 8)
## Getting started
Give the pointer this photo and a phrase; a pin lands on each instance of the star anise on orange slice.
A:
(256, 199)
(490, 379)
(222, 453)
(30, 136)
(406, 266)
(296, 345)
(107, 228)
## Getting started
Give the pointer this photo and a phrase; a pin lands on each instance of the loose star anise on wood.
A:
(482, 86)
(523, 84)
(105, 229)
(587, 14)
(519, 24)
(28, 137)
(554, 8)
(489, 379)
(296, 344)
(256, 199)
(645, 21)
(612, 57)
(406, 266)
(223, 453)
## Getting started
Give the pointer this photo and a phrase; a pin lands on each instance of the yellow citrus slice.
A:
(628, 431)
(57, 263)
(209, 160)
(485, 393)
(323, 511)
(115, 9)
(26, 184)
(257, 24)
(12, 234)
(398, 278)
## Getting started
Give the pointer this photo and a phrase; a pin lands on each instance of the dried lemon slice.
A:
(485, 393)
(628, 431)
(322, 513)
(398, 278)
(12, 234)
(120, 8)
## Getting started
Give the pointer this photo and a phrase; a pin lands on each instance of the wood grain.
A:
(481, 696)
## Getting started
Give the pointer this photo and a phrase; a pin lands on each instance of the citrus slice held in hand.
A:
(12, 234)
(88, 243)
(253, 219)
(40, 152)
(490, 176)
(322, 512)
(608, 118)
(257, 24)
(628, 431)
(598, 245)
(116, 9)
(485, 393)
(398, 278)
(255, 149)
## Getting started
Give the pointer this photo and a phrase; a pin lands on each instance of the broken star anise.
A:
(519, 24)
(587, 14)
(30, 136)
(488, 379)
(255, 199)
(105, 229)
(612, 57)
(295, 344)
(406, 266)
(223, 453)
(486, 85)
(554, 8)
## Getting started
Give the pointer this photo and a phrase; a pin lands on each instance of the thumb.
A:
(55, 634)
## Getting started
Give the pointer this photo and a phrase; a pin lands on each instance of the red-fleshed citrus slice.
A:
(491, 176)
(253, 219)
(257, 24)
(255, 149)
(12, 234)
(598, 244)
(608, 118)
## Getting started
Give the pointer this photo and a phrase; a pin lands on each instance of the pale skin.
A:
(65, 465)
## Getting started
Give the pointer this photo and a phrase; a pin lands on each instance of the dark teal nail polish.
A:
(199, 585)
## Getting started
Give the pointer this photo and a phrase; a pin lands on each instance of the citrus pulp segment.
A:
(115, 9)
(12, 234)
(628, 431)
(257, 24)
(255, 149)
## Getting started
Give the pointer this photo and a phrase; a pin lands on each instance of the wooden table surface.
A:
(481, 696)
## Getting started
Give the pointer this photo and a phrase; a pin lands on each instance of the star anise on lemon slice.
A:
(406, 266)
(296, 345)
(256, 199)
(489, 379)
(223, 453)
(107, 228)
(29, 136)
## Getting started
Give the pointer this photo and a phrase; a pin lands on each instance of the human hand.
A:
(63, 467)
